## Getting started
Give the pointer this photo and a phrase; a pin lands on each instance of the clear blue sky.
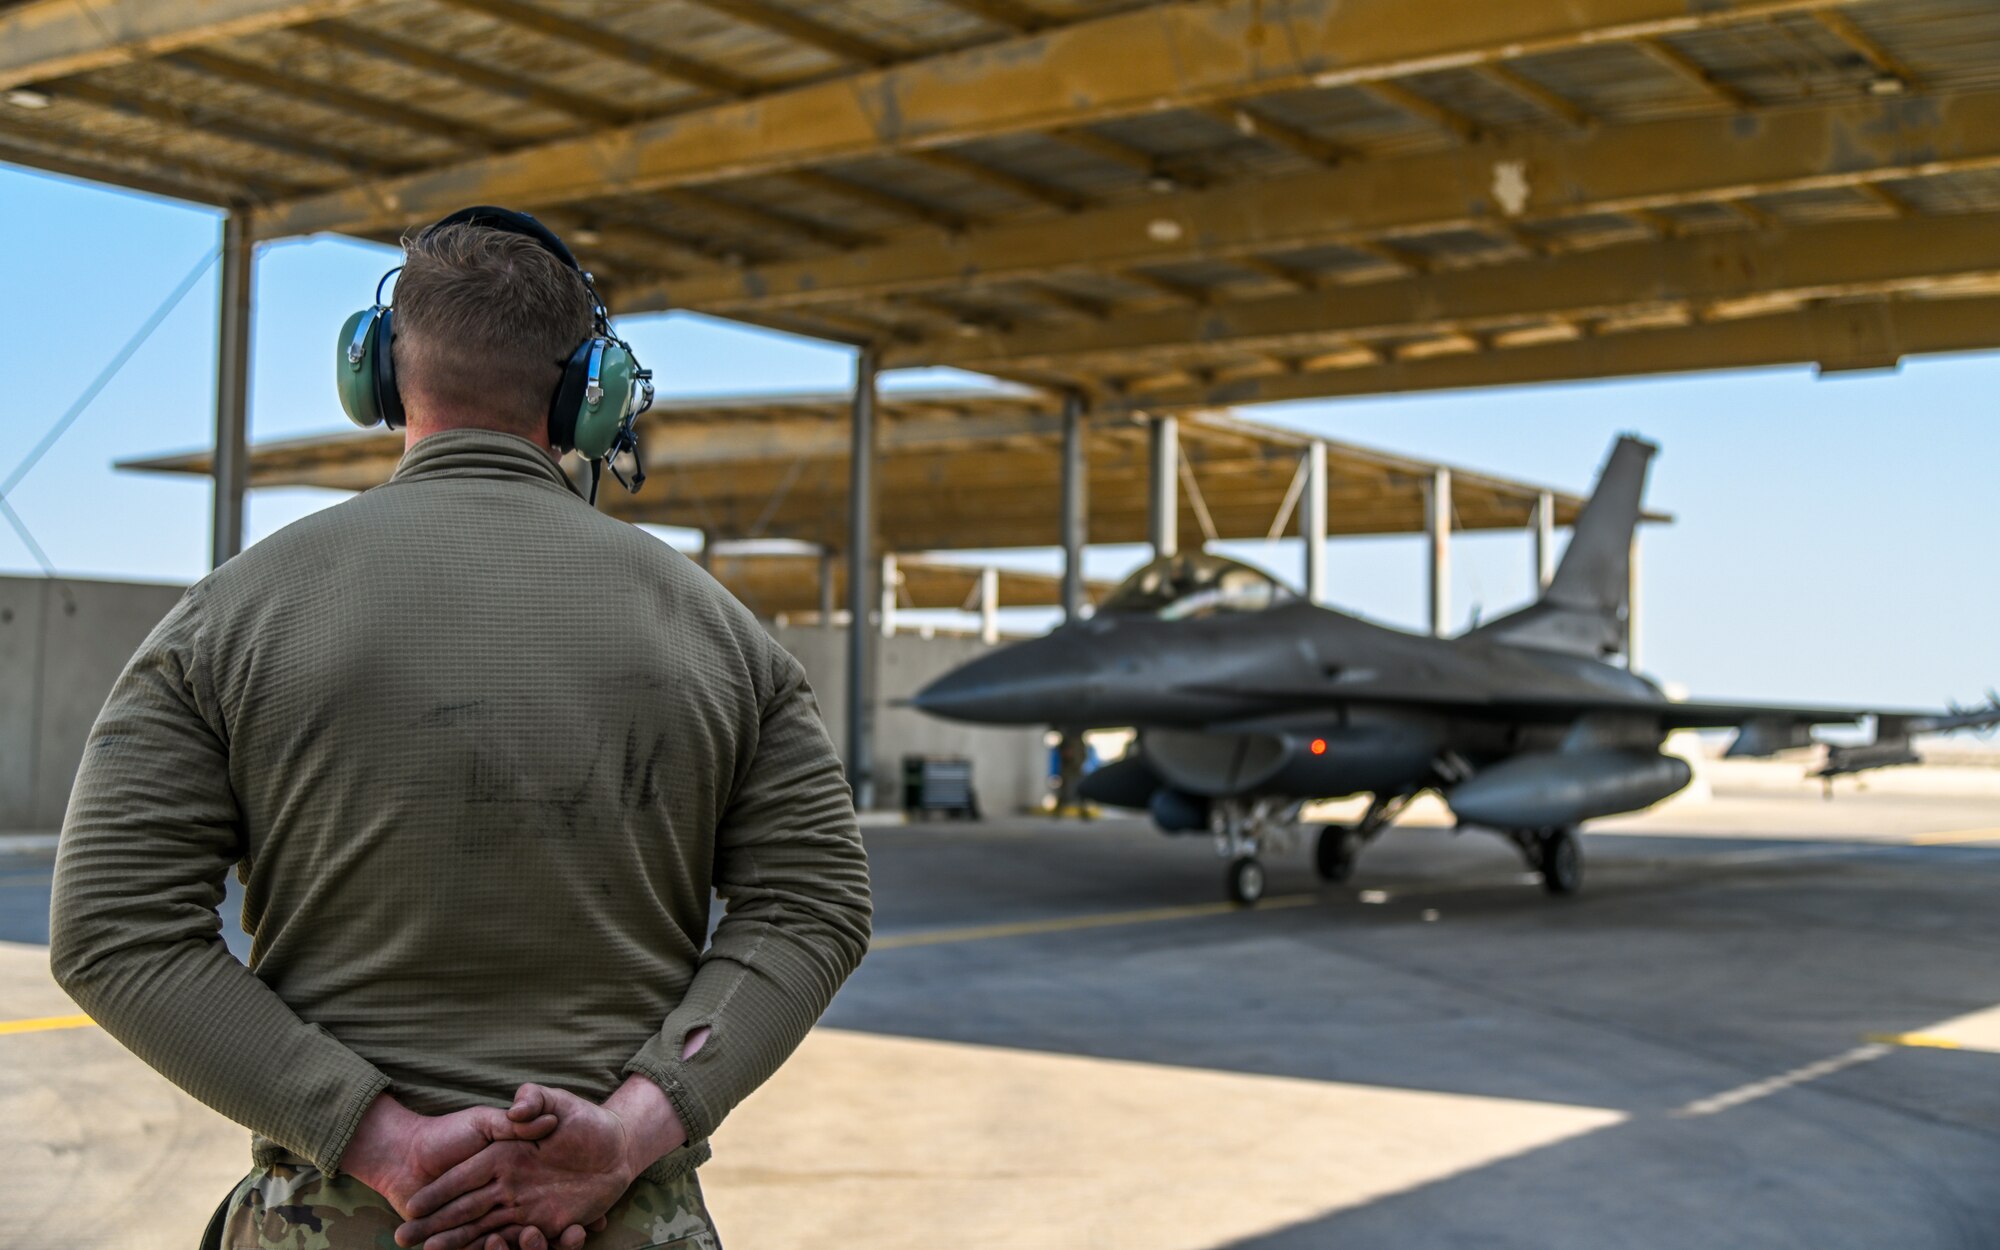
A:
(1832, 542)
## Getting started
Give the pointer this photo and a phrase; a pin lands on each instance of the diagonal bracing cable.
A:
(27, 538)
(110, 370)
(97, 384)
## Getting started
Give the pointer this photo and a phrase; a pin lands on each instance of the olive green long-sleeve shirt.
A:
(477, 753)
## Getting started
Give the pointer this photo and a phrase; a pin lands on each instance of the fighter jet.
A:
(1250, 703)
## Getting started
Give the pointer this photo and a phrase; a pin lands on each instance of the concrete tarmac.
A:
(1768, 1021)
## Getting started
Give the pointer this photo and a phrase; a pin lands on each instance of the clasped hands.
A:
(541, 1173)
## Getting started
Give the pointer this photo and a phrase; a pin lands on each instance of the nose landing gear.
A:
(1241, 829)
(1246, 880)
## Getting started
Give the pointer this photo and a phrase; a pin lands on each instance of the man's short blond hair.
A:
(485, 321)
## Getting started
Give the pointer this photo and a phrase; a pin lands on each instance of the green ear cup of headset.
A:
(354, 370)
(601, 412)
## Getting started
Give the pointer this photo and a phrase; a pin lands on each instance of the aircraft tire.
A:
(1561, 862)
(1246, 880)
(1333, 854)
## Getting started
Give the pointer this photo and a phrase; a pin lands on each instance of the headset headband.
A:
(494, 218)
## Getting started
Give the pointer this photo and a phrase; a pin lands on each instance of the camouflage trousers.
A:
(283, 1206)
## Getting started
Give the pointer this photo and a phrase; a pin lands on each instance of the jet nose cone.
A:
(1040, 682)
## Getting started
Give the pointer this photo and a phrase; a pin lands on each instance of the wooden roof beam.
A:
(566, 29)
(1690, 69)
(979, 171)
(91, 148)
(1398, 96)
(1655, 223)
(1388, 253)
(335, 98)
(80, 157)
(801, 29)
(737, 442)
(1839, 259)
(1833, 336)
(1161, 173)
(846, 326)
(44, 39)
(679, 250)
(177, 114)
(1065, 301)
(371, 42)
(1525, 239)
(1896, 204)
(1009, 15)
(1608, 169)
(1546, 98)
(1107, 148)
(639, 55)
(1886, 63)
(1182, 52)
(880, 200)
(1254, 125)
(961, 320)
(1173, 289)
(757, 217)
(1279, 272)
(1755, 215)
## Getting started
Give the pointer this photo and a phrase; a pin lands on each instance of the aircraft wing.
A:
(1762, 729)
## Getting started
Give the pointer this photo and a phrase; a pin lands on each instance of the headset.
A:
(603, 388)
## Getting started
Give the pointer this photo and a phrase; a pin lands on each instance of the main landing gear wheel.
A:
(1334, 853)
(1561, 861)
(1246, 880)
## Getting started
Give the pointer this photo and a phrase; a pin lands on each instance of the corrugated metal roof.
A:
(334, 96)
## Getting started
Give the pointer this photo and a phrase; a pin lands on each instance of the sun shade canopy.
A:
(1175, 204)
(959, 470)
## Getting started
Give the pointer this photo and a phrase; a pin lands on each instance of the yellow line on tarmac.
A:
(1961, 835)
(44, 1024)
(899, 941)
(1064, 924)
(1927, 1040)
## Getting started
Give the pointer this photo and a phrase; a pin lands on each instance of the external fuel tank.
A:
(1550, 789)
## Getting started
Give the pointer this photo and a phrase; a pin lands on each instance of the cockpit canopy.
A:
(1195, 584)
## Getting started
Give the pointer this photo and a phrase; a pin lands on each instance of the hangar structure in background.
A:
(1138, 205)
(764, 478)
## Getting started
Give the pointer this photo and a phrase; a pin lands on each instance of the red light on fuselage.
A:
(1319, 746)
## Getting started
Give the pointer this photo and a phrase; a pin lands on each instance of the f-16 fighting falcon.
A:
(1249, 703)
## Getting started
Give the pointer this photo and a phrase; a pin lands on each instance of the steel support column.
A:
(861, 521)
(1075, 505)
(989, 606)
(826, 602)
(891, 579)
(1163, 497)
(1545, 540)
(1437, 527)
(707, 557)
(1632, 606)
(1313, 520)
(232, 391)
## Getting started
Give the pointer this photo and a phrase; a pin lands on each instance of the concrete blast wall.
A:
(63, 644)
(1009, 766)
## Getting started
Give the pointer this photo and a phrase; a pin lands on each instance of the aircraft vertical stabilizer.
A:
(1583, 610)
